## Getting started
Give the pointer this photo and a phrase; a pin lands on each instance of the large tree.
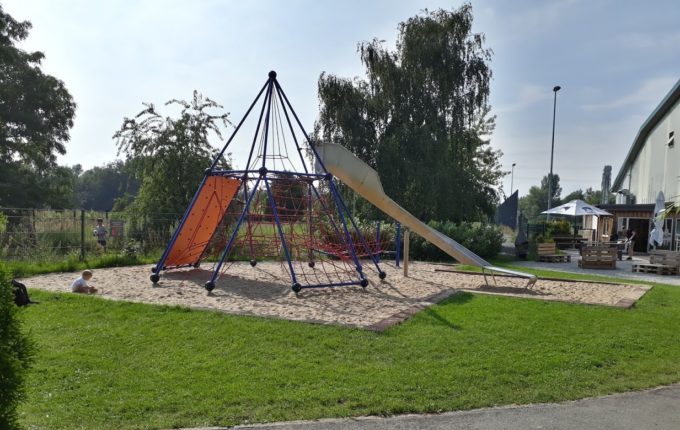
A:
(99, 187)
(169, 155)
(420, 117)
(536, 201)
(36, 110)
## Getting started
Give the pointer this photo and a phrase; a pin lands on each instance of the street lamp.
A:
(512, 177)
(556, 88)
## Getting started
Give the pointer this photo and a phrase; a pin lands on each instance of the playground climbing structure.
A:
(277, 207)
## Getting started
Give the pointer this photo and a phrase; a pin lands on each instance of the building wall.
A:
(657, 167)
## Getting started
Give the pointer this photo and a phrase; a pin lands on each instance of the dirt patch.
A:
(265, 291)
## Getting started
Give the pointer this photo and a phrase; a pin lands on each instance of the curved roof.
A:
(661, 110)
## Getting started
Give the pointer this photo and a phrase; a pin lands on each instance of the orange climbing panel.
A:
(205, 216)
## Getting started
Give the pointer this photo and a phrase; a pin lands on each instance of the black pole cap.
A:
(272, 74)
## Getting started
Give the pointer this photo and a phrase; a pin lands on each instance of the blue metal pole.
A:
(266, 126)
(238, 127)
(272, 203)
(377, 241)
(316, 154)
(257, 129)
(175, 235)
(334, 192)
(211, 284)
(361, 236)
(292, 132)
(398, 243)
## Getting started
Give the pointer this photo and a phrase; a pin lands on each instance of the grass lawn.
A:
(113, 365)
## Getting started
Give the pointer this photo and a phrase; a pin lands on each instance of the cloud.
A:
(529, 95)
(649, 93)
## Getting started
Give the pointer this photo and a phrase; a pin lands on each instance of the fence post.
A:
(82, 234)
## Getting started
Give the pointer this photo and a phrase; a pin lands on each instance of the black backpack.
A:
(21, 294)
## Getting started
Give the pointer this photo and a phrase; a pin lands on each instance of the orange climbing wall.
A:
(205, 216)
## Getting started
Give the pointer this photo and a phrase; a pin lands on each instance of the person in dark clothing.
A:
(630, 242)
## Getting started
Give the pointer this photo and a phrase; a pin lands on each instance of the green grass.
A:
(116, 365)
(21, 268)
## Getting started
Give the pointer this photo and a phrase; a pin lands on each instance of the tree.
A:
(421, 116)
(24, 186)
(536, 201)
(36, 110)
(169, 155)
(574, 195)
(99, 187)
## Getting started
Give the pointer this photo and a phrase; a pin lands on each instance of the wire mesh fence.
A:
(56, 234)
(48, 234)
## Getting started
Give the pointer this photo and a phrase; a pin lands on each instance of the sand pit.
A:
(265, 291)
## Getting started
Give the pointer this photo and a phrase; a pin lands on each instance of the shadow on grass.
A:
(434, 314)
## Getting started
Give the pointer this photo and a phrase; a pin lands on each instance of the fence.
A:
(43, 234)
(47, 234)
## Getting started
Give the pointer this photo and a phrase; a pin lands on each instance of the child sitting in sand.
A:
(80, 285)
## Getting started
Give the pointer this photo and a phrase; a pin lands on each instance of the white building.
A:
(653, 162)
(652, 165)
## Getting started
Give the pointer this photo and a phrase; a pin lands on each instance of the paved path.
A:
(624, 269)
(652, 409)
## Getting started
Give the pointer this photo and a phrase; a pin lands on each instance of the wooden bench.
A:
(597, 257)
(548, 252)
(568, 241)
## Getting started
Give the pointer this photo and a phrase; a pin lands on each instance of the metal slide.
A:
(365, 181)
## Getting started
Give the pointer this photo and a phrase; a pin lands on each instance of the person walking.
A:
(630, 242)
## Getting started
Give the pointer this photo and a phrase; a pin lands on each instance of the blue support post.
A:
(211, 284)
(338, 204)
(272, 203)
(361, 236)
(377, 242)
(398, 244)
(161, 262)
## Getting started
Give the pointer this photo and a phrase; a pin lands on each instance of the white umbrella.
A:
(577, 208)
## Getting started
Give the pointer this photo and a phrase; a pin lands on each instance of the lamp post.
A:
(556, 88)
(512, 177)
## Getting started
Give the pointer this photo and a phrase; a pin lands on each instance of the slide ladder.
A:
(365, 181)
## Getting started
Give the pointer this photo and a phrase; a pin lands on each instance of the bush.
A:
(482, 239)
(559, 226)
(15, 354)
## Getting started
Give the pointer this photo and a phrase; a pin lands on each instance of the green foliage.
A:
(72, 263)
(536, 201)
(559, 226)
(3, 222)
(484, 351)
(36, 110)
(484, 240)
(99, 187)
(420, 117)
(25, 186)
(16, 351)
(169, 155)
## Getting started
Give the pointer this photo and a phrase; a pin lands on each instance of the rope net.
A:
(298, 222)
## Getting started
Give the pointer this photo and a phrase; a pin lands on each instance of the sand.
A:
(265, 291)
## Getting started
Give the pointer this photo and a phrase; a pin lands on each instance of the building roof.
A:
(661, 110)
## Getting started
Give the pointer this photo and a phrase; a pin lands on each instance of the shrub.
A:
(15, 354)
(559, 226)
(483, 239)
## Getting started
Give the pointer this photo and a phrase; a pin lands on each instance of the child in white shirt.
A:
(80, 285)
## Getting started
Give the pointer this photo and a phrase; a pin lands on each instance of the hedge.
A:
(15, 354)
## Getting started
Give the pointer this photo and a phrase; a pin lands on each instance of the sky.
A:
(614, 59)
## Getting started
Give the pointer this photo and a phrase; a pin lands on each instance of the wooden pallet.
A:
(555, 258)
(658, 269)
